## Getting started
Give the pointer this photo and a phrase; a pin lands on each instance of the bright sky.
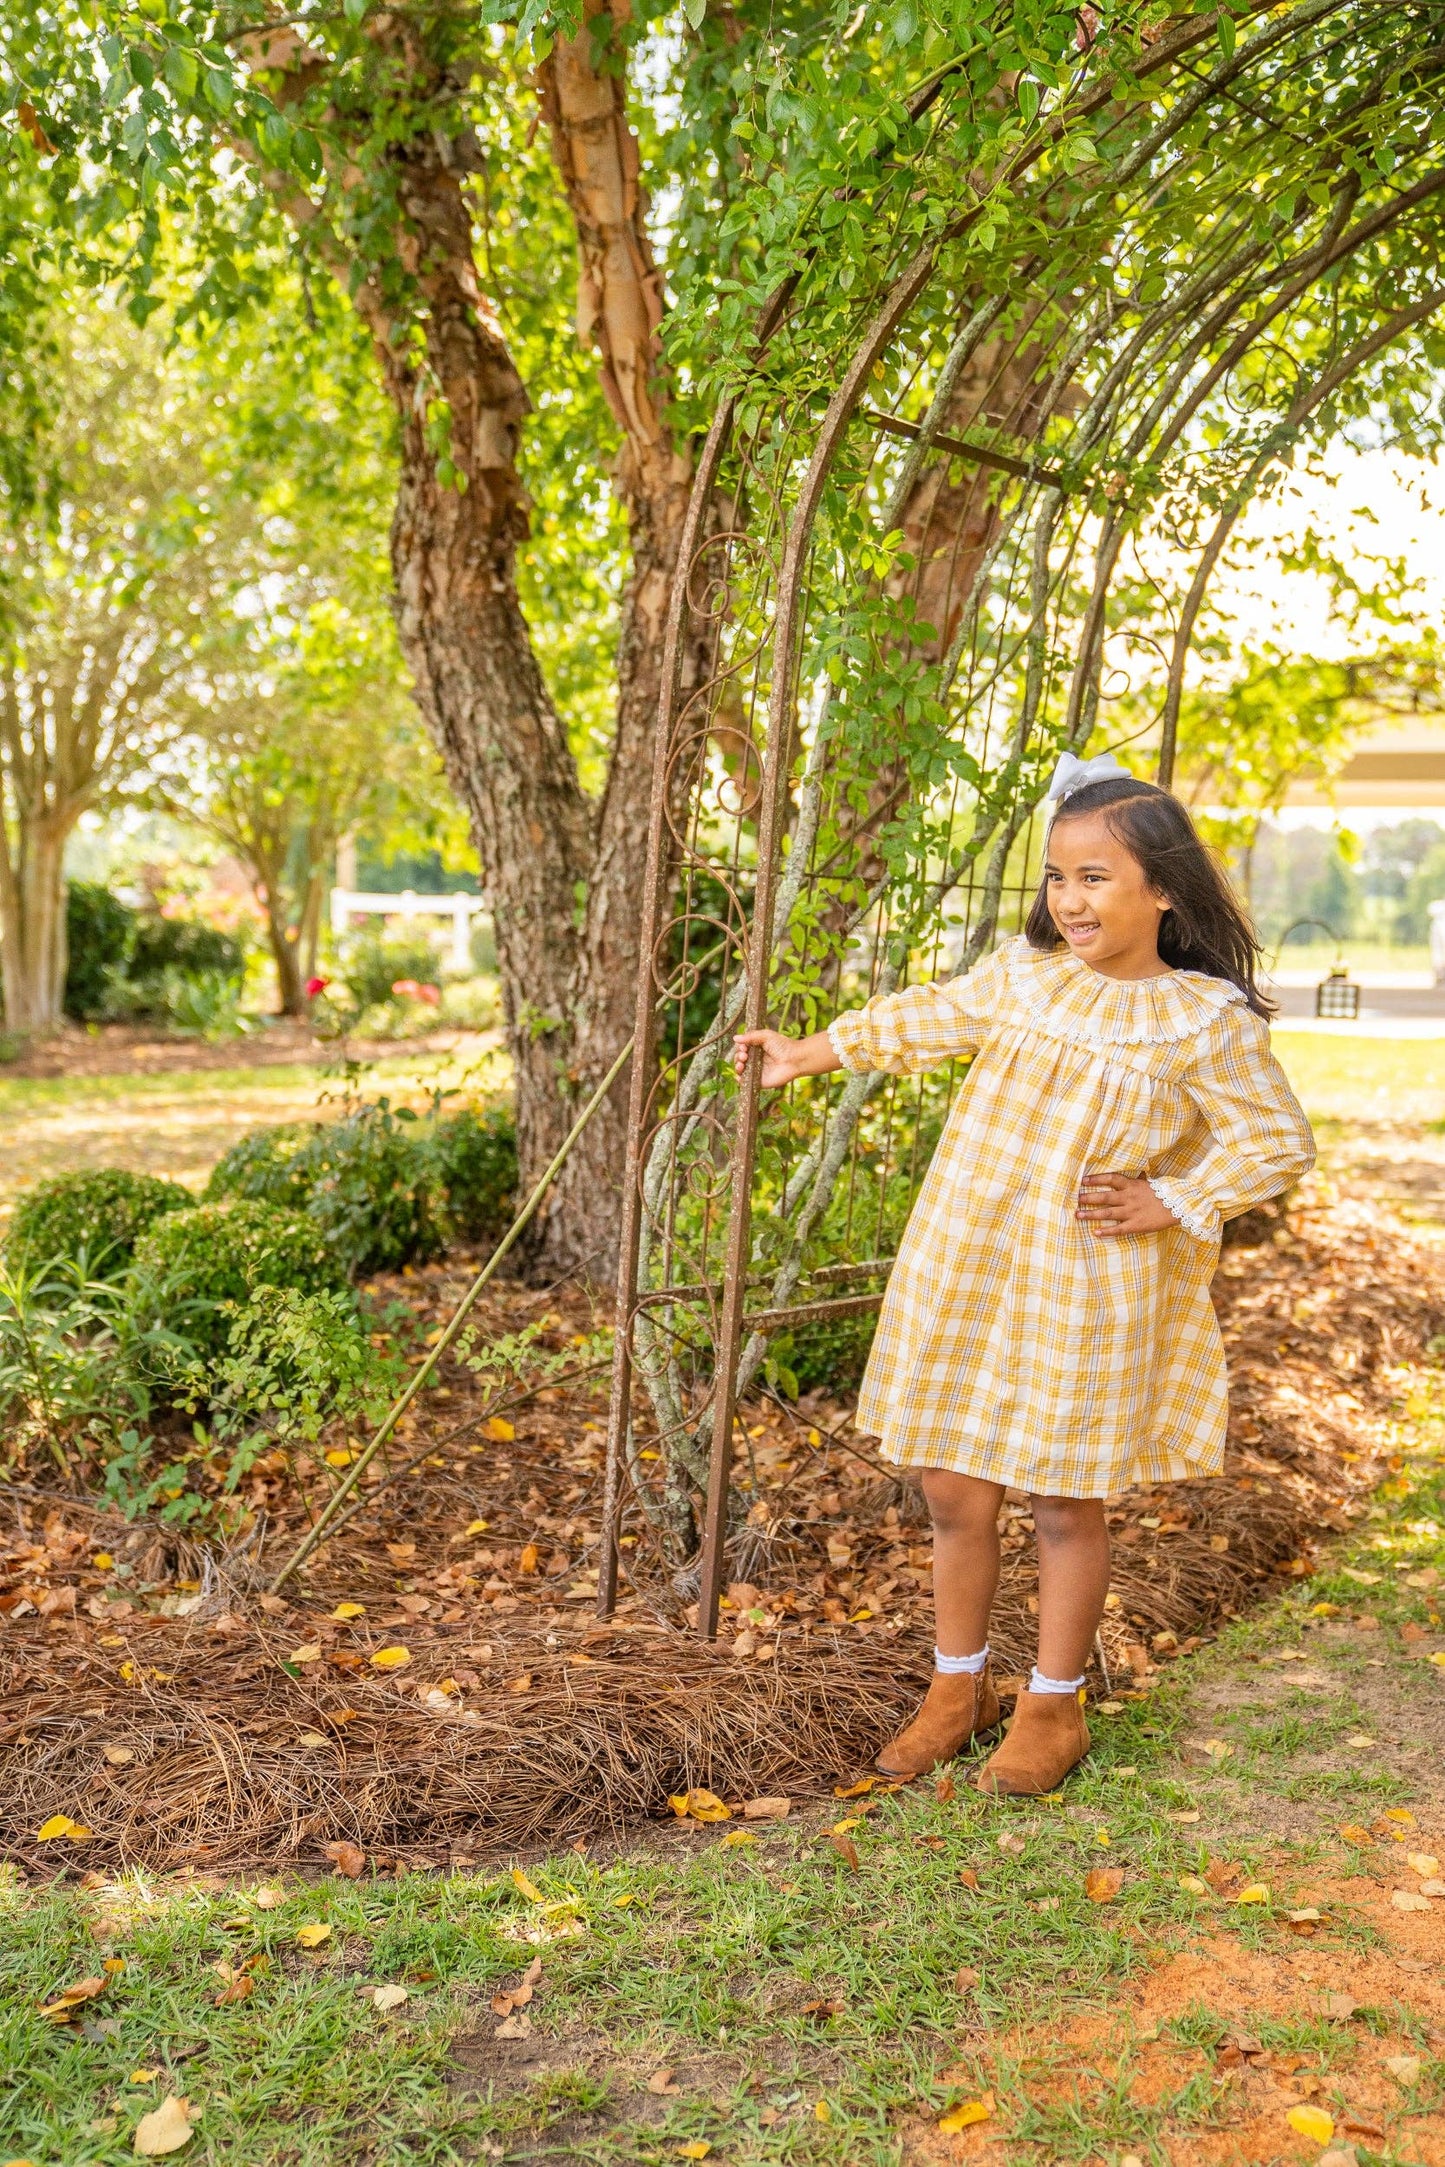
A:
(1365, 505)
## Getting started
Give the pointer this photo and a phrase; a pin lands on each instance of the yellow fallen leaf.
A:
(697, 2149)
(345, 1611)
(312, 1936)
(964, 2117)
(166, 2130)
(736, 1836)
(102, 1561)
(310, 1653)
(1353, 1833)
(144, 2076)
(1254, 1892)
(846, 1826)
(529, 1557)
(1101, 1836)
(1404, 2068)
(822, 2112)
(388, 1997)
(476, 1527)
(60, 1825)
(395, 1658)
(699, 1805)
(860, 1789)
(500, 1431)
(71, 1998)
(1312, 2122)
(1364, 1580)
(1438, 1658)
(1402, 1814)
(340, 1456)
(119, 1756)
(527, 1886)
(1423, 1863)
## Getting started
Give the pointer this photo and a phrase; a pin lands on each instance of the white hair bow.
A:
(1072, 774)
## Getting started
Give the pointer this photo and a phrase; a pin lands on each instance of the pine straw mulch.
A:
(518, 1721)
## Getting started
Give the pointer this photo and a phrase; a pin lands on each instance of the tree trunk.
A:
(286, 955)
(33, 952)
(582, 86)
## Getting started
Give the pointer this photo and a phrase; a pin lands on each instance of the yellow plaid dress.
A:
(1012, 1344)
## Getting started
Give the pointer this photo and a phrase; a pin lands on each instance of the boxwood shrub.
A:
(92, 1219)
(193, 1265)
(386, 1187)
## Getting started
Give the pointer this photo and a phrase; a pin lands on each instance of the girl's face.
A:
(1100, 900)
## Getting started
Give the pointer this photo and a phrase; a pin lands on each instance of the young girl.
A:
(1047, 1322)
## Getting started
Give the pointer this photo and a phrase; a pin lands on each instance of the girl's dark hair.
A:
(1204, 928)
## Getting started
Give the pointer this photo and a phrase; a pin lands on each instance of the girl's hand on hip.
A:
(1121, 1204)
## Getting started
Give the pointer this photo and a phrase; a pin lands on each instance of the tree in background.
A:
(118, 562)
(317, 737)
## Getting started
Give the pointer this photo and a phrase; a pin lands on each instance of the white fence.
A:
(347, 903)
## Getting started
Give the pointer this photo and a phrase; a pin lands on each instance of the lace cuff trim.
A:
(1203, 1225)
(845, 1059)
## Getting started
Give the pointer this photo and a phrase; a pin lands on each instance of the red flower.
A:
(315, 986)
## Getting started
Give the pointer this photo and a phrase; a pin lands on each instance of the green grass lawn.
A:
(815, 1985)
(1394, 1080)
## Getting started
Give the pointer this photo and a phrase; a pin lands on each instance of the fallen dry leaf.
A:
(847, 1851)
(386, 1998)
(1423, 1863)
(520, 1685)
(166, 2129)
(736, 1837)
(969, 1878)
(1312, 2122)
(1409, 1900)
(1340, 2007)
(72, 1998)
(119, 1756)
(518, 1996)
(527, 1886)
(697, 2148)
(965, 1979)
(767, 1809)
(269, 1899)
(860, 1789)
(1404, 2068)
(500, 1431)
(1103, 1883)
(1193, 1886)
(1254, 1892)
(1007, 1841)
(394, 1658)
(1353, 1833)
(347, 1858)
(236, 1988)
(964, 2117)
(514, 2028)
(310, 1652)
(401, 1553)
(699, 1806)
(528, 1558)
(60, 1825)
(661, 2082)
(345, 1611)
(945, 1790)
(312, 1935)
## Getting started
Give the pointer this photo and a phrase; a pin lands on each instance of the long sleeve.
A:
(923, 1025)
(1259, 1141)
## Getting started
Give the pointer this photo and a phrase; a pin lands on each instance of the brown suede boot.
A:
(1047, 1737)
(958, 1706)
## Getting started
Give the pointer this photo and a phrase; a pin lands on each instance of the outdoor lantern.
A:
(1338, 996)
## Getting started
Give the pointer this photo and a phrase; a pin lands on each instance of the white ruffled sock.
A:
(960, 1666)
(1038, 1683)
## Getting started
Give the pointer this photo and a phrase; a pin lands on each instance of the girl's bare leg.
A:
(965, 1557)
(1073, 1540)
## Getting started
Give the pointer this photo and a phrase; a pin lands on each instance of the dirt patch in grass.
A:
(259, 1730)
(119, 1049)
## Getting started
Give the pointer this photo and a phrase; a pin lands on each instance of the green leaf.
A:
(695, 11)
(353, 10)
(1029, 99)
(220, 90)
(1227, 36)
(181, 71)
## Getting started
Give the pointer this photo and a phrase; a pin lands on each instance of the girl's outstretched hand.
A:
(1121, 1204)
(785, 1058)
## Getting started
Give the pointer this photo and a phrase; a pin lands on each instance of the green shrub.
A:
(92, 1219)
(475, 1155)
(196, 1268)
(373, 964)
(99, 930)
(186, 945)
(268, 1166)
(386, 1188)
